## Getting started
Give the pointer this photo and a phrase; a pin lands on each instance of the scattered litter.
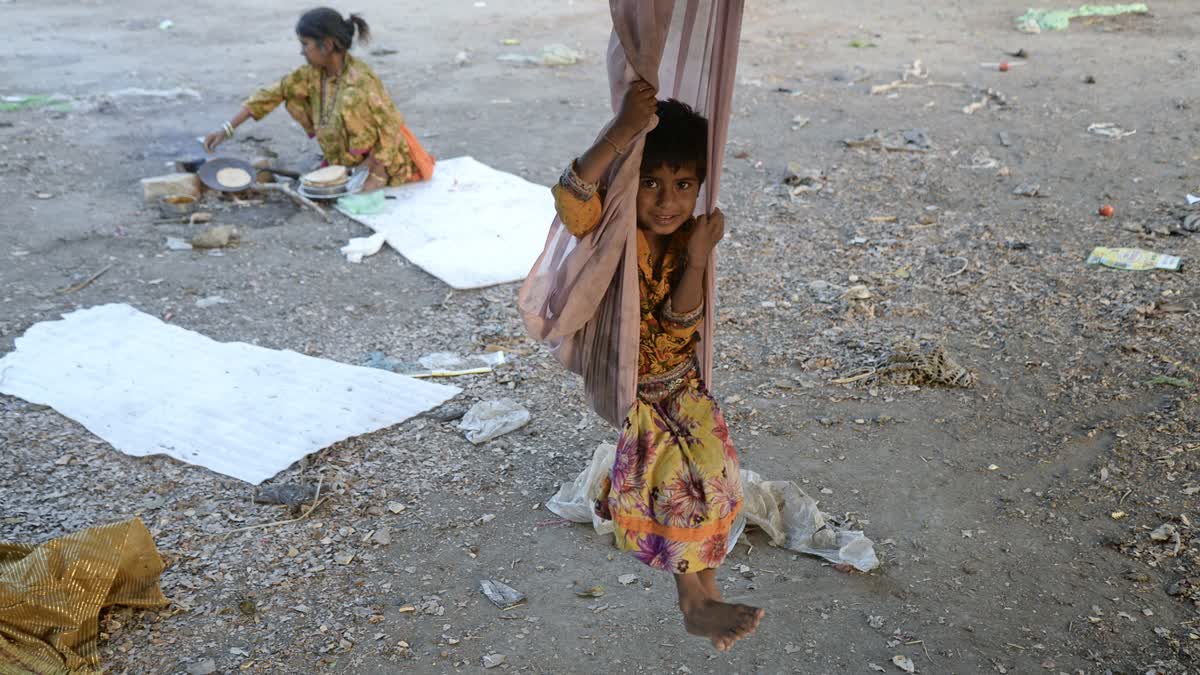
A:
(909, 365)
(53, 593)
(1038, 20)
(1191, 222)
(904, 663)
(1106, 211)
(988, 96)
(491, 419)
(363, 204)
(1177, 382)
(877, 668)
(501, 595)
(361, 247)
(1110, 130)
(381, 361)
(111, 368)
(218, 236)
(875, 622)
(85, 283)
(550, 55)
(1003, 66)
(862, 44)
(56, 102)
(453, 361)
(788, 516)
(211, 301)
(1133, 259)
(139, 92)
(177, 244)
(802, 180)
(1163, 532)
(858, 292)
(166, 24)
(627, 579)
(1028, 190)
(913, 140)
(289, 495)
(1192, 200)
(493, 660)
(981, 160)
(799, 122)
(593, 592)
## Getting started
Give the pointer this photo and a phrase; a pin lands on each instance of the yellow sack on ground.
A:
(51, 594)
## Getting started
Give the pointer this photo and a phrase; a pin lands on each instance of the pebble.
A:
(202, 667)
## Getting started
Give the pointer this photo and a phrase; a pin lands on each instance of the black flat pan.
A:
(208, 173)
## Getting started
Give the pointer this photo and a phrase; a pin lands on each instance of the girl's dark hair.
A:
(681, 137)
(323, 22)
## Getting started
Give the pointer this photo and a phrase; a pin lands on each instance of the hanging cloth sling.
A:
(581, 297)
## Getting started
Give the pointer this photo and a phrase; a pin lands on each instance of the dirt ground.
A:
(1013, 517)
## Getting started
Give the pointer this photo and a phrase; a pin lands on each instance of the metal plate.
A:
(357, 178)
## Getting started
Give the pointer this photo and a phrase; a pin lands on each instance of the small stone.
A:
(396, 507)
(343, 557)
(904, 663)
(382, 536)
(170, 185)
(204, 667)
(217, 236)
(875, 621)
(627, 579)
(1163, 532)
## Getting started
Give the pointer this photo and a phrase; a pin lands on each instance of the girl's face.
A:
(315, 52)
(667, 197)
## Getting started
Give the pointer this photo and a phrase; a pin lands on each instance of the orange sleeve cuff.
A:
(579, 217)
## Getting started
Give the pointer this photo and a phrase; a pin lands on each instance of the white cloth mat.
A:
(470, 226)
(148, 387)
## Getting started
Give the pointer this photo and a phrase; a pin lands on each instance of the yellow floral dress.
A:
(353, 119)
(675, 487)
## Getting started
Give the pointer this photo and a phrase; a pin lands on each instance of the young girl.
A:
(340, 101)
(675, 489)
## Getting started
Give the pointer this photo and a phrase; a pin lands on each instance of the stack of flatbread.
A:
(327, 178)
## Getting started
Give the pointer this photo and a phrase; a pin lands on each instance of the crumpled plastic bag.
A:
(361, 247)
(491, 419)
(363, 204)
(788, 516)
(1038, 20)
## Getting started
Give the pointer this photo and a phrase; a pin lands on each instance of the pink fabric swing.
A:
(581, 297)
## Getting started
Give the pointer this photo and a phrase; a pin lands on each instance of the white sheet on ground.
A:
(470, 226)
(147, 387)
(780, 508)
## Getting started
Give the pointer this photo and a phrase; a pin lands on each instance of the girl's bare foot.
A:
(708, 616)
